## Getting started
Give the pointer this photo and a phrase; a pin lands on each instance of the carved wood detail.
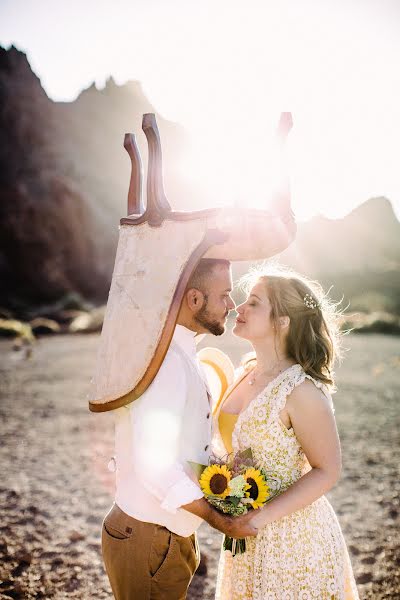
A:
(157, 207)
(135, 203)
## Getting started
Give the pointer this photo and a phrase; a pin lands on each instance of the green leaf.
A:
(197, 468)
(246, 454)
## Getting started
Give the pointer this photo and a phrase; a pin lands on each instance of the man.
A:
(149, 542)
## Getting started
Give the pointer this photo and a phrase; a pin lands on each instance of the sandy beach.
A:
(55, 487)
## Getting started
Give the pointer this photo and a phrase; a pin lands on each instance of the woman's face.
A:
(254, 316)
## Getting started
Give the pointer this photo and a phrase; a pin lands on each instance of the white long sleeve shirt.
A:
(157, 434)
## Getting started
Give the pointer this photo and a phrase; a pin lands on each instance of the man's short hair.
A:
(203, 271)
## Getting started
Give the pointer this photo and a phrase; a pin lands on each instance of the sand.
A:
(55, 487)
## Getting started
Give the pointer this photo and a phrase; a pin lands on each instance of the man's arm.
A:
(238, 527)
(157, 421)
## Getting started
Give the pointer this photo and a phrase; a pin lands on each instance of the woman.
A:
(280, 407)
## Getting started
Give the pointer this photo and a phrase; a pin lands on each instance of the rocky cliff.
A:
(64, 178)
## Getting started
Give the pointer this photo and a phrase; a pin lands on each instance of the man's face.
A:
(217, 301)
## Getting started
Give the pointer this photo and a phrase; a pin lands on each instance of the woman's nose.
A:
(239, 308)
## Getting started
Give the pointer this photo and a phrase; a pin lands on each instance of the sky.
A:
(226, 69)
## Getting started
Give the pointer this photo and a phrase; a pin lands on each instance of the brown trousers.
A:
(145, 561)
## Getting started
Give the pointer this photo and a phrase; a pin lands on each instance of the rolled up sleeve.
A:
(157, 421)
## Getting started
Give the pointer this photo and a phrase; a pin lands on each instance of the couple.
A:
(279, 406)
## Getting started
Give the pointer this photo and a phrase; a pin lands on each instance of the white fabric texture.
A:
(157, 434)
(302, 556)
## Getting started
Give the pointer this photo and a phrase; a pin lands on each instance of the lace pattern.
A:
(302, 556)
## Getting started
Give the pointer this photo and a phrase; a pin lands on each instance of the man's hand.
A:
(235, 527)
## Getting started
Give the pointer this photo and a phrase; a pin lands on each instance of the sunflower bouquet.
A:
(235, 486)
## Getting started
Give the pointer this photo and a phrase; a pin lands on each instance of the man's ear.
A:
(194, 299)
(284, 322)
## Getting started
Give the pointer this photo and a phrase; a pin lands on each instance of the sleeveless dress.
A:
(302, 556)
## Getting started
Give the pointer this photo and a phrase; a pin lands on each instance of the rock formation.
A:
(64, 177)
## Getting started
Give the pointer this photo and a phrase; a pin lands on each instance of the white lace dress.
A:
(302, 556)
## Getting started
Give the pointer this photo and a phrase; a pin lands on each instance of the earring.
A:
(284, 321)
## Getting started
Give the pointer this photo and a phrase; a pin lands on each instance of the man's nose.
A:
(231, 304)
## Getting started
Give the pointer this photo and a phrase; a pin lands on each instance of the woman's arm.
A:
(315, 428)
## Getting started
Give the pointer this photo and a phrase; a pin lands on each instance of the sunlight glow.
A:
(226, 70)
(156, 453)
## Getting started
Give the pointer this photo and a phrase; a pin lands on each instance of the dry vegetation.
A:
(56, 489)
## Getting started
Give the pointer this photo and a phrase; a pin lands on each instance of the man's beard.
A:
(204, 318)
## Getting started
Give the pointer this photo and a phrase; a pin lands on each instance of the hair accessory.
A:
(310, 302)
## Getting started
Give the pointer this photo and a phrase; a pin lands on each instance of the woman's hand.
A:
(259, 517)
(238, 527)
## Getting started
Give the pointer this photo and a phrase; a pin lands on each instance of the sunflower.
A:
(259, 490)
(214, 481)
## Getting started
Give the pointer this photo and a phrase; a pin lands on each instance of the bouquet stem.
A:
(236, 546)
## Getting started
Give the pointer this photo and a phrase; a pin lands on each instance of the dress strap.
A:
(291, 379)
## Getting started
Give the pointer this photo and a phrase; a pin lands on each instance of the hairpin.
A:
(310, 302)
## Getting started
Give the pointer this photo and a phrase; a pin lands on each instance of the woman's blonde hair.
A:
(313, 340)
